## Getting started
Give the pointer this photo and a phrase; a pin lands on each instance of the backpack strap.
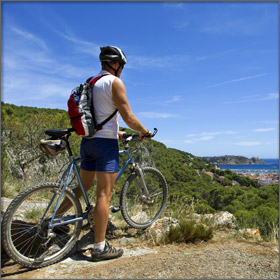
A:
(99, 126)
(92, 81)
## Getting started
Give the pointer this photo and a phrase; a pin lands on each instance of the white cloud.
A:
(254, 98)
(199, 139)
(173, 99)
(82, 45)
(247, 144)
(237, 80)
(264, 129)
(206, 136)
(168, 61)
(212, 133)
(30, 67)
(227, 132)
(31, 38)
(270, 96)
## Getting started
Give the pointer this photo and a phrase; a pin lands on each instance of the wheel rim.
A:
(28, 235)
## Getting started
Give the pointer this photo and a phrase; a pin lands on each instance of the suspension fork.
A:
(140, 173)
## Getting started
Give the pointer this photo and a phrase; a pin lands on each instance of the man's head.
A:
(112, 57)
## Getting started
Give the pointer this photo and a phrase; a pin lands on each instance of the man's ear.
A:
(115, 65)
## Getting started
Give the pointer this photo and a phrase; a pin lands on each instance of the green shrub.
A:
(188, 231)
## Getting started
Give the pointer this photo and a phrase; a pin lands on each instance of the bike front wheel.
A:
(25, 226)
(138, 208)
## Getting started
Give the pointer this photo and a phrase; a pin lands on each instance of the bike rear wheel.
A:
(139, 210)
(25, 233)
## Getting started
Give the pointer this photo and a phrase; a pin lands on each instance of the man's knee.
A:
(103, 197)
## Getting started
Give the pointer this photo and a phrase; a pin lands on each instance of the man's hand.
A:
(121, 133)
(145, 136)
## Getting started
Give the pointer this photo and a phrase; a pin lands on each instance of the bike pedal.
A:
(115, 209)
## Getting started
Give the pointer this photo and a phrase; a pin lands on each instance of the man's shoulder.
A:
(118, 82)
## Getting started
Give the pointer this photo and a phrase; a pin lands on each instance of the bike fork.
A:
(139, 172)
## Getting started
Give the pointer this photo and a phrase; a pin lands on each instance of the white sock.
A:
(99, 246)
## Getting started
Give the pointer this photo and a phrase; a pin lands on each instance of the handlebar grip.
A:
(154, 133)
(127, 135)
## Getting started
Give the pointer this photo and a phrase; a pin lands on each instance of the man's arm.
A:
(120, 99)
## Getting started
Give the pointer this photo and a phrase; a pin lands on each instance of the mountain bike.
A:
(34, 236)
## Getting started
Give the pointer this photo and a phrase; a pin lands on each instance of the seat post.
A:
(68, 145)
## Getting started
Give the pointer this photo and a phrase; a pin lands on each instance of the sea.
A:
(270, 165)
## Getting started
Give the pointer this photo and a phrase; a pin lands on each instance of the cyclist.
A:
(109, 94)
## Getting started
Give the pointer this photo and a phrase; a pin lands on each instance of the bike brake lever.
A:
(154, 133)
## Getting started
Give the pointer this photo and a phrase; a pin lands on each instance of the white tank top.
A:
(104, 106)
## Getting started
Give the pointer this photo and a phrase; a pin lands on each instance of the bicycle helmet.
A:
(52, 147)
(112, 54)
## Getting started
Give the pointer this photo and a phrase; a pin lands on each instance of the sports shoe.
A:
(109, 253)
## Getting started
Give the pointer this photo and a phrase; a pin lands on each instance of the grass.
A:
(181, 207)
(34, 213)
(188, 231)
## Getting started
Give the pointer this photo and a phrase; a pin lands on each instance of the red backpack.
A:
(81, 109)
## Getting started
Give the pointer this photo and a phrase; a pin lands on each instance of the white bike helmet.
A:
(112, 54)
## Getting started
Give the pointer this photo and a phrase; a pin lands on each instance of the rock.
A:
(140, 217)
(131, 231)
(225, 219)
(253, 233)
(159, 228)
(127, 241)
(222, 219)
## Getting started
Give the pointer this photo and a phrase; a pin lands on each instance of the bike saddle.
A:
(59, 132)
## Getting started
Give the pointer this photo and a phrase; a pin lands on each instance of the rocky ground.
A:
(223, 257)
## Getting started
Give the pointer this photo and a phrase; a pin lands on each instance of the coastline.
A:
(269, 166)
(266, 173)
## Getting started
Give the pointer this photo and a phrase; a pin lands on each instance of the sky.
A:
(206, 74)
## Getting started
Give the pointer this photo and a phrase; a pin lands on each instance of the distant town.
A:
(263, 178)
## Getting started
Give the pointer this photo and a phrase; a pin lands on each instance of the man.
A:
(109, 94)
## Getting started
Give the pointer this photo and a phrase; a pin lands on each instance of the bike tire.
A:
(139, 212)
(24, 237)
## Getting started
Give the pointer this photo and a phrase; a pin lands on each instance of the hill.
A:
(23, 164)
(232, 160)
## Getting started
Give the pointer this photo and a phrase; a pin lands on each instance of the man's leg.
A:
(105, 184)
(102, 250)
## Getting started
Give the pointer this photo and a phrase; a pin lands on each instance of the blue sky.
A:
(206, 74)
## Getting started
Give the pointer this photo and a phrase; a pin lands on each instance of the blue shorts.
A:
(103, 152)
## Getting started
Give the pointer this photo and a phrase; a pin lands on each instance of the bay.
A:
(269, 166)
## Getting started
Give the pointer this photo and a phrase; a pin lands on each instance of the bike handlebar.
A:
(129, 136)
(60, 133)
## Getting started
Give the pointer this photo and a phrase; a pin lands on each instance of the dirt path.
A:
(220, 258)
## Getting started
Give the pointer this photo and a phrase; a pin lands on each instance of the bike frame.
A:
(65, 179)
